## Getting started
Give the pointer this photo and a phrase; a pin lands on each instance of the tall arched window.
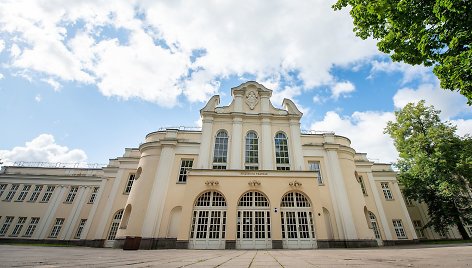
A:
(281, 152)
(252, 151)
(220, 154)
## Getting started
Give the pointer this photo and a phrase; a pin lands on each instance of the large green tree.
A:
(430, 32)
(435, 165)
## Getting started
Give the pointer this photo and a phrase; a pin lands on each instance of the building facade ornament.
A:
(252, 99)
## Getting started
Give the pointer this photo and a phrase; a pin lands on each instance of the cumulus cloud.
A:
(43, 149)
(342, 88)
(158, 50)
(365, 130)
(410, 72)
(450, 103)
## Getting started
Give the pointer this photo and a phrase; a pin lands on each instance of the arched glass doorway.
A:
(208, 228)
(297, 221)
(253, 222)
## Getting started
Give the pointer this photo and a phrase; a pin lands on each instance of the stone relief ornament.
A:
(252, 99)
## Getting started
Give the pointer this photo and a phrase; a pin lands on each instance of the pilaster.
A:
(236, 143)
(398, 193)
(296, 145)
(205, 146)
(51, 211)
(380, 208)
(266, 142)
(74, 214)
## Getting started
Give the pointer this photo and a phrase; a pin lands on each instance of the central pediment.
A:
(250, 98)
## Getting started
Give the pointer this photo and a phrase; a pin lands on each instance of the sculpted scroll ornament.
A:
(252, 99)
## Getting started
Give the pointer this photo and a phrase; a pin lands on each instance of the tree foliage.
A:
(435, 165)
(431, 32)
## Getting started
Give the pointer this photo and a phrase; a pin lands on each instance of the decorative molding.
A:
(254, 183)
(212, 183)
(295, 184)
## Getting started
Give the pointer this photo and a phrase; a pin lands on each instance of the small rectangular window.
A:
(399, 231)
(219, 167)
(6, 225)
(185, 165)
(19, 226)
(37, 190)
(283, 168)
(56, 229)
(93, 195)
(80, 228)
(315, 167)
(23, 193)
(12, 192)
(31, 227)
(386, 191)
(48, 193)
(129, 183)
(72, 193)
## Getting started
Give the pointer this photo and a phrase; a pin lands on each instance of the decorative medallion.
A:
(252, 99)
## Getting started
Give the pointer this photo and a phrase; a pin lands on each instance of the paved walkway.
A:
(413, 256)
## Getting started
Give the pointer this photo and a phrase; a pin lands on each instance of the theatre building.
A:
(248, 179)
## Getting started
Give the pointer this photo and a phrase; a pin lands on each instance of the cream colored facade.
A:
(250, 178)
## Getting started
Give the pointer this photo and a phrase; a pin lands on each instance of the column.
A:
(267, 145)
(380, 209)
(236, 143)
(205, 145)
(153, 217)
(339, 192)
(296, 145)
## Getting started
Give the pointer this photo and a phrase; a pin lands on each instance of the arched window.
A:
(281, 152)
(220, 154)
(114, 224)
(298, 230)
(252, 151)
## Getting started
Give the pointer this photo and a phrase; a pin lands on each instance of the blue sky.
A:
(81, 81)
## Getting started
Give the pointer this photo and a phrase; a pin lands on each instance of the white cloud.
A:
(1, 76)
(43, 149)
(365, 130)
(38, 98)
(2, 45)
(410, 72)
(146, 49)
(464, 126)
(342, 88)
(53, 83)
(450, 103)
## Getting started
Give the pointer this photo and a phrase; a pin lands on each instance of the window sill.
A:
(5, 200)
(18, 200)
(181, 182)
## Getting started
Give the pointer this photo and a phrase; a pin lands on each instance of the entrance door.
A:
(297, 221)
(208, 222)
(253, 226)
(115, 223)
(375, 228)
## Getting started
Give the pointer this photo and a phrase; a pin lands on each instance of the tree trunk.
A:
(460, 225)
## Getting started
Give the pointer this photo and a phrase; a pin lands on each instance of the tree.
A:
(435, 165)
(430, 32)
